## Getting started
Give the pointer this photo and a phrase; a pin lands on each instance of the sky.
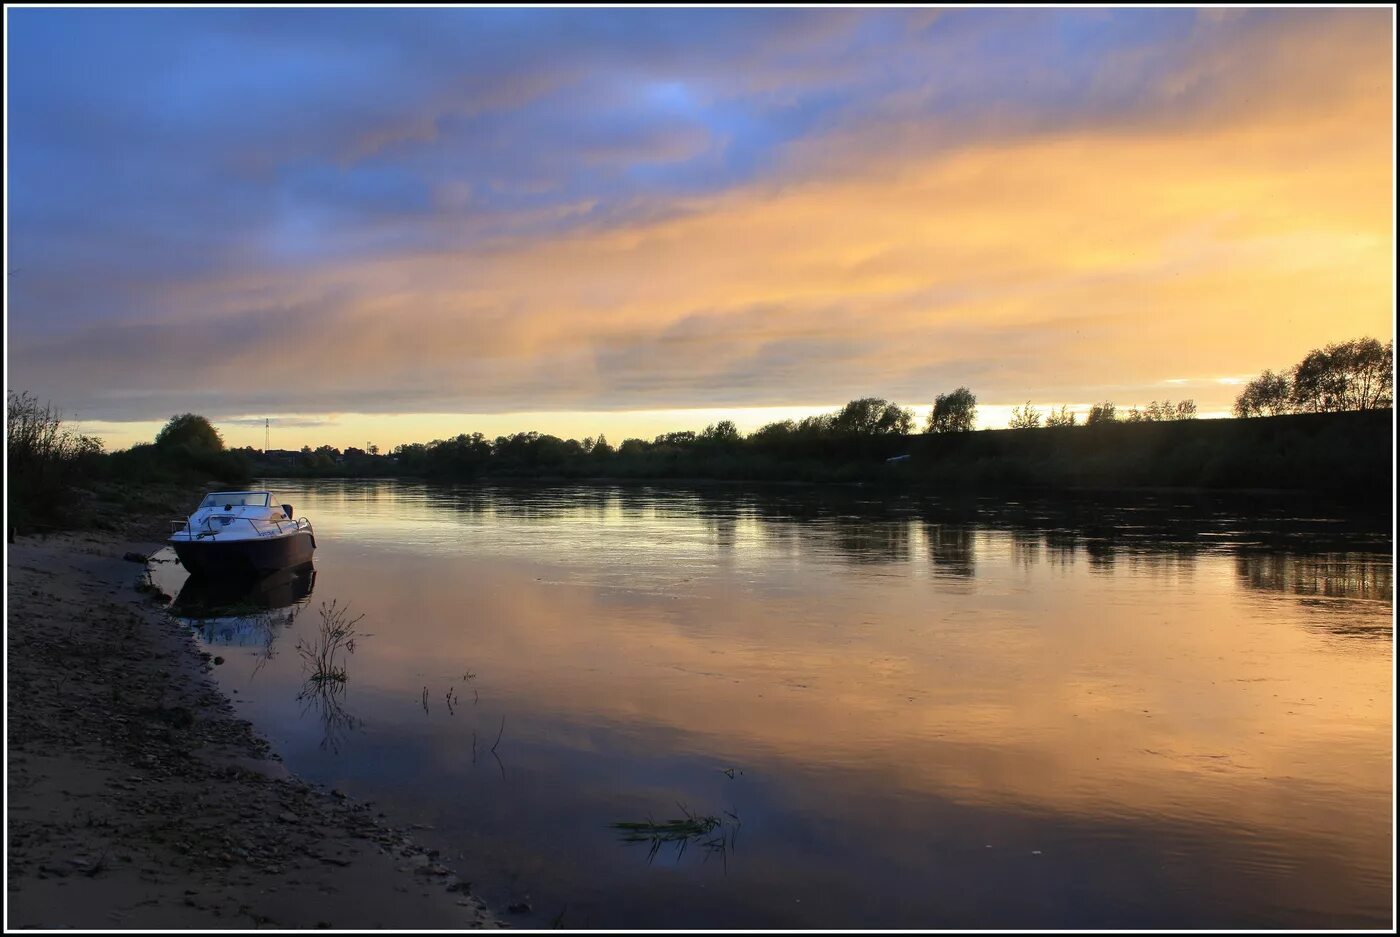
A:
(394, 225)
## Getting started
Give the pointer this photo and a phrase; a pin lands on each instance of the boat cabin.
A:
(239, 514)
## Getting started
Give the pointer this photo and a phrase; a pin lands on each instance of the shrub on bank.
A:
(56, 475)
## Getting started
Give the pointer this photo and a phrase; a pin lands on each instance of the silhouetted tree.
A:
(411, 458)
(1060, 417)
(1101, 413)
(1162, 411)
(1027, 417)
(192, 430)
(870, 416)
(773, 432)
(601, 447)
(463, 456)
(1314, 385)
(1269, 394)
(954, 412)
(1354, 375)
(723, 432)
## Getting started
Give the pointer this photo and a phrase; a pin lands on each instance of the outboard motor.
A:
(287, 508)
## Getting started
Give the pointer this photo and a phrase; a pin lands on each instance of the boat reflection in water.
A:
(244, 612)
(255, 614)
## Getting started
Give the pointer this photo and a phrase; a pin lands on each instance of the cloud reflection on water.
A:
(1137, 690)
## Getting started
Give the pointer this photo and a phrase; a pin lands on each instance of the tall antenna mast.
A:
(267, 434)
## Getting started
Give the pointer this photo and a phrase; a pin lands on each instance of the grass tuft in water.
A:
(323, 656)
(670, 830)
(691, 828)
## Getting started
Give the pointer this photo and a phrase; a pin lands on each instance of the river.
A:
(866, 709)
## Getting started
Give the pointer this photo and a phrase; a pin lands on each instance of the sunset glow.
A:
(387, 226)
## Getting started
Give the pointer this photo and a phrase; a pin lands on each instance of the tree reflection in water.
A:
(952, 549)
(1346, 586)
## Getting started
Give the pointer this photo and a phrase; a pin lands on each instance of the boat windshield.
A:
(253, 499)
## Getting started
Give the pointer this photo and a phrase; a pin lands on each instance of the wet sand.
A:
(138, 799)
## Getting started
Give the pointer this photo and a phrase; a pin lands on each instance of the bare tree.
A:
(36, 439)
(1162, 411)
(1027, 417)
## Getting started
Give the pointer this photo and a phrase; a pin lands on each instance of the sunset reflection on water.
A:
(922, 714)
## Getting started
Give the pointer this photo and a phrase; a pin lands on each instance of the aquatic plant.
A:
(323, 657)
(712, 833)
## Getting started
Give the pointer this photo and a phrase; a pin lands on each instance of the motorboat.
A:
(242, 534)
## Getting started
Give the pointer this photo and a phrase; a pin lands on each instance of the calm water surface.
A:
(898, 712)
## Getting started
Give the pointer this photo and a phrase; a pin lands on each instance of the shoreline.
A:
(137, 797)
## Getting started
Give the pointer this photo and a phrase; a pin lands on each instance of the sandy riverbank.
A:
(137, 799)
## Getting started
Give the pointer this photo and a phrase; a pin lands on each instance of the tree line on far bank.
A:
(48, 461)
(863, 429)
(830, 446)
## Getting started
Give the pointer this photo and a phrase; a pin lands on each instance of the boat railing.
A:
(209, 530)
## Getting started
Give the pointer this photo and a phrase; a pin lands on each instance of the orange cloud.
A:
(1210, 234)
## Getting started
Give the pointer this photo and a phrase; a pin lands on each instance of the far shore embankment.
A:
(137, 799)
(1347, 457)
